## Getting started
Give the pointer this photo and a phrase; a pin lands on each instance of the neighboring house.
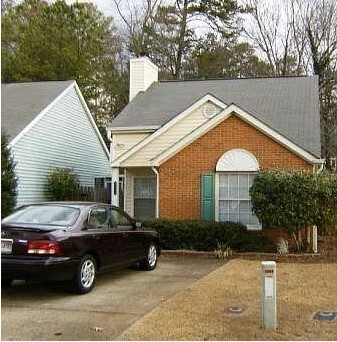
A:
(191, 149)
(49, 125)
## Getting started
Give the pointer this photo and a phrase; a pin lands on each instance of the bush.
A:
(62, 185)
(8, 179)
(206, 235)
(295, 200)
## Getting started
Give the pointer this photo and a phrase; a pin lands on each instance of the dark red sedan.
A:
(73, 241)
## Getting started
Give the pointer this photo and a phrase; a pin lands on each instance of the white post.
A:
(115, 186)
(314, 239)
(268, 295)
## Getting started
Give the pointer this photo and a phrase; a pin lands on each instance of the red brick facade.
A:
(180, 176)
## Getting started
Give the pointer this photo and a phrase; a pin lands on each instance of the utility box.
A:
(268, 295)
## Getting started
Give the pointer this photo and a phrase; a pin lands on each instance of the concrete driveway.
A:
(39, 311)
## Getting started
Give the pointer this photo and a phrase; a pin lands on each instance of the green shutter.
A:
(207, 197)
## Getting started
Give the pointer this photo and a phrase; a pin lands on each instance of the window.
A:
(99, 218)
(144, 197)
(234, 199)
(119, 220)
(236, 170)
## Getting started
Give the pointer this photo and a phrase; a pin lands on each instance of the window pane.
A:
(233, 206)
(243, 187)
(244, 207)
(223, 186)
(233, 182)
(144, 187)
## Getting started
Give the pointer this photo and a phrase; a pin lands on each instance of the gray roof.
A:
(288, 105)
(22, 102)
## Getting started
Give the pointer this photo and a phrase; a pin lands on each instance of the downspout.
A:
(157, 190)
(319, 166)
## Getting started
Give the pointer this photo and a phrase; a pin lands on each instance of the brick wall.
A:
(180, 175)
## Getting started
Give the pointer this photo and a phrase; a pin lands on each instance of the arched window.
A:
(236, 170)
(237, 160)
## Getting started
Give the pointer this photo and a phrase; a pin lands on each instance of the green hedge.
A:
(206, 235)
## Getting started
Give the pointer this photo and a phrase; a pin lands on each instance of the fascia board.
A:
(39, 116)
(135, 129)
(168, 125)
(230, 110)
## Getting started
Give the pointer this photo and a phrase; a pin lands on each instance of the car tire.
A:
(149, 263)
(5, 282)
(85, 276)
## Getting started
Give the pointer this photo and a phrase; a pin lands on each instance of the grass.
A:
(200, 312)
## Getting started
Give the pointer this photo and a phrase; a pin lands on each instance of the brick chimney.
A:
(142, 74)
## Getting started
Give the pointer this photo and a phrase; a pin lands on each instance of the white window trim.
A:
(133, 192)
(250, 227)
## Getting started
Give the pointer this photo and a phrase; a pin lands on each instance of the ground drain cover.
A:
(235, 309)
(325, 315)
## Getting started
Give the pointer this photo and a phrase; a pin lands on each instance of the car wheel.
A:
(85, 276)
(5, 282)
(150, 262)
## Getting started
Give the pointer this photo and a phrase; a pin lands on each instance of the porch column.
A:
(114, 186)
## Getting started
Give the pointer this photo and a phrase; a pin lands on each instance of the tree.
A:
(166, 34)
(320, 24)
(55, 41)
(300, 37)
(270, 30)
(8, 178)
(214, 57)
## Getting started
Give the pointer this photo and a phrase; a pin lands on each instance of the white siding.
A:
(122, 142)
(168, 138)
(63, 137)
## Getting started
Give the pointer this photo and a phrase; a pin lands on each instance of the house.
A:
(49, 125)
(191, 149)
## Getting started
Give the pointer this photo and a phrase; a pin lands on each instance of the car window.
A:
(46, 215)
(99, 218)
(119, 220)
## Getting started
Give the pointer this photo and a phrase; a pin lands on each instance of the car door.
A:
(124, 225)
(105, 239)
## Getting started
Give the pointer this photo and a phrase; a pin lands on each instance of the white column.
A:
(115, 186)
(268, 295)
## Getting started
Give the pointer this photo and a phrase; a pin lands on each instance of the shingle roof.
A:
(22, 102)
(289, 105)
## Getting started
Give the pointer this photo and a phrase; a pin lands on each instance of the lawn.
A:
(200, 312)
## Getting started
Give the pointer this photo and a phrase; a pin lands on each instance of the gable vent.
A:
(209, 110)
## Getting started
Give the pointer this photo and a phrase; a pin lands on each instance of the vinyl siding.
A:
(124, 141)
(167, 139)
(63, 137)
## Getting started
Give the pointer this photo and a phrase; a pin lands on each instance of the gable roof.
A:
(288, 105)
(22, 102)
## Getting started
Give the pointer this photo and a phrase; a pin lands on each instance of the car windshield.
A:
(49, 215)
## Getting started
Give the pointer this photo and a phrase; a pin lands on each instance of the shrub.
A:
(8, 179)
(295, 200)
(206, 235)
(62, 185)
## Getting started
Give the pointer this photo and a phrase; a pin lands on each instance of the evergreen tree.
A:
(8, 179)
